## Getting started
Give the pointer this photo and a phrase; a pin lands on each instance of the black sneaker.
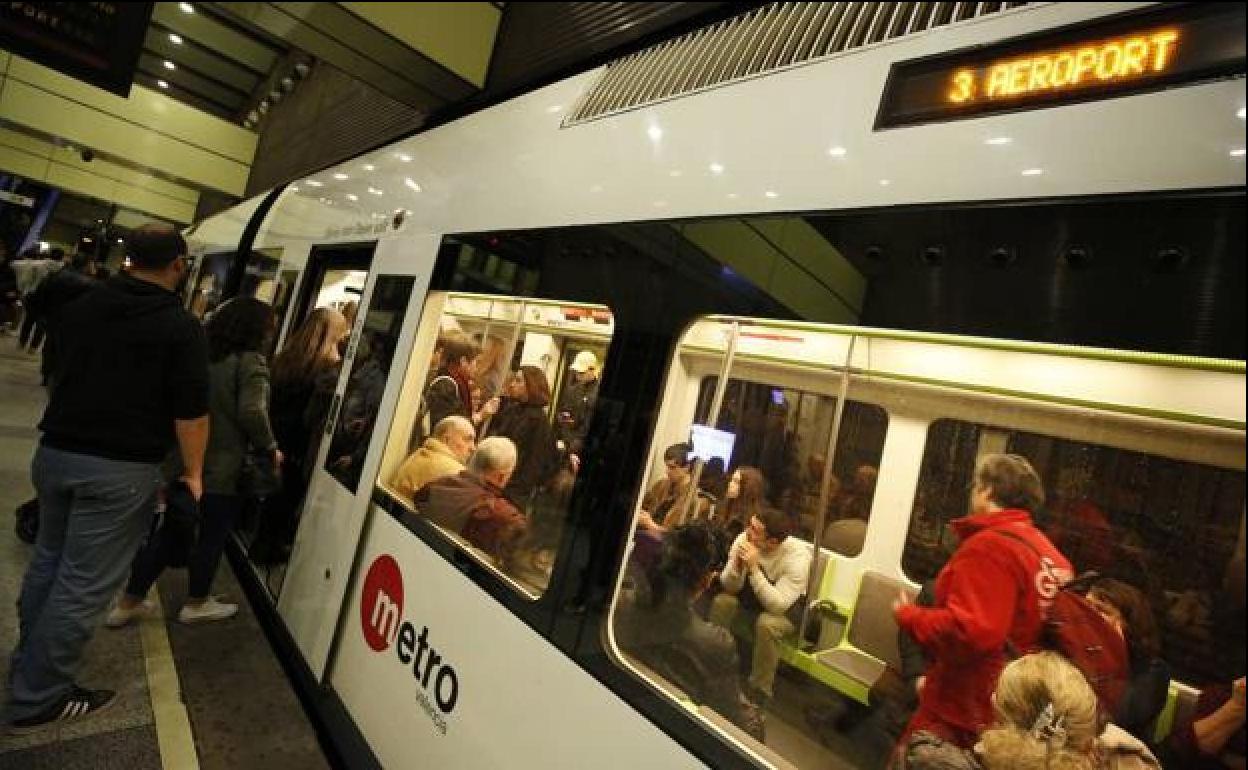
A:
(80, 703)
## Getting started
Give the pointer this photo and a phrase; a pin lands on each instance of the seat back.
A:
(872, 628)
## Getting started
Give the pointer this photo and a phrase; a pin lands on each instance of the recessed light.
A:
(411, 184)
(186, 7)
(772, 194)
(162, 83)
(716, 168)
(997, 141)
(170, 65)
(352, 197)
(369, 167)
(885, 182)
(313, 183)
(655, 133)
(1033, 171)
(119, 240)
(1237, 153)
(733, 196)
(375, 191)
(404, 157)
(837, 152)
(554, 108)
(294, 188)
(1242, 112)
(175, 39)
(341, 175)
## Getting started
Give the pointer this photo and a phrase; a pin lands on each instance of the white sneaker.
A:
(207, 612)
(120, 616)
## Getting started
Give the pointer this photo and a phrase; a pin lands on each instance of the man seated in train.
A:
(764, 581)
(472, 504)
(656, 623)
(442, 454)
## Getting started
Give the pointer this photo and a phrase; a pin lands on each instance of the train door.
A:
(334, 277)
(309, 594)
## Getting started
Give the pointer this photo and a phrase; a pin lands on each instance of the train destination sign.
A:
(1125, 54)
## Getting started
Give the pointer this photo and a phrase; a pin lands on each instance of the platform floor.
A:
(210, 696)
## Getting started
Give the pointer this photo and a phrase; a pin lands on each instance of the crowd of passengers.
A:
(493, 467)
(719, 586)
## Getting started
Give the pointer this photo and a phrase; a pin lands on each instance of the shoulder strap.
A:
(1018, 538)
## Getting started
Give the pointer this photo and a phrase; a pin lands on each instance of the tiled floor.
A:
(243, 713)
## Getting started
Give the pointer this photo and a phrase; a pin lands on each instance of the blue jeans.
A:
(216, 521)
(92, 515)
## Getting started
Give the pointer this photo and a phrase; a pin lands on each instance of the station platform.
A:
(206, 696)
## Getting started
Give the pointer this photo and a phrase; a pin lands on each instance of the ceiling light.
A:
(885, 182)
(175, 39)
(170, 65)
(119, 240)
(313, 183)
(837, 152)
(1033, 171)
(186, 7)
(733, 196)
(997, 141)
(404, 157)
(772, 194)
(352, 197)
(411, 184)
(554, 108)
(375, 191)
(341, 175)
(293, 188)
(1237, 153)
(162, 83)
(1242, 112)
(655, 133)
(716, 168)
(369, 167)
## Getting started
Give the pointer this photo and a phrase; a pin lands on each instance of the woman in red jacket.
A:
(995, 589)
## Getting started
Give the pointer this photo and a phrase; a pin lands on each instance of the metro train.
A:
(714, 219)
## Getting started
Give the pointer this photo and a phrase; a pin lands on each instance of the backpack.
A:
(1077, 631)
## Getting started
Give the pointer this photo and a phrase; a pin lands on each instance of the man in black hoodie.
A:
(130, 379)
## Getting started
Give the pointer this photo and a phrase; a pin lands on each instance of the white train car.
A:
(702, 218)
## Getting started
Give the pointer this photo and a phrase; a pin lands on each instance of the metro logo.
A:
(381, 603)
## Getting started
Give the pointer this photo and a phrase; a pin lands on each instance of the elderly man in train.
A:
(442, 454)
(763, 583)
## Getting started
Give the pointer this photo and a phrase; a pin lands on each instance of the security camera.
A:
(86, 155)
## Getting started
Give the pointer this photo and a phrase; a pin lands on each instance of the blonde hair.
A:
(1027, 688)
(311, 347)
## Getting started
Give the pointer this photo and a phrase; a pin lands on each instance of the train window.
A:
(1172, 529)
(504, 378)
(783, 433)
(374, 350)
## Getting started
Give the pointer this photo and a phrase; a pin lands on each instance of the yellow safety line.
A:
(173, 724)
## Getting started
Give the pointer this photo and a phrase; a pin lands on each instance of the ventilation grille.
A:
(768, 38)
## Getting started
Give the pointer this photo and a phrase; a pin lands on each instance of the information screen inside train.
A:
(1122, 55)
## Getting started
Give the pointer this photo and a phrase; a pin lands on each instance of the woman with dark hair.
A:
(1127, 610)
(522, 418)
(238, 398)
(745, 496)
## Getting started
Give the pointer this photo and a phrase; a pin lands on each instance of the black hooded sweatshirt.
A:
(131, 361)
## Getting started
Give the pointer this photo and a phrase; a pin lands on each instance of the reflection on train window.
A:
(1172, 529)
(357, 414)
(489, 428)
(782, 434)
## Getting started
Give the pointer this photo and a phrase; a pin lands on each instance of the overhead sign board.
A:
(1171, 45)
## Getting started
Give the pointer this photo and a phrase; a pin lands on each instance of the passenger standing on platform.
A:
(31, 273)
(53, 295)
(765, 579)
(239, 408)
(995, 589)
(304, 376)
(97, 466)
(8, 291)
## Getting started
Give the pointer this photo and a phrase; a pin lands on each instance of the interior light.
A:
(655, 133)
(369, 167)
(733, 196)
(837, 152)
(170, 65)
(375, 191)
(404, 157)
(411, 184)
(44, 246)
(716, 168)
(885, 182)
(1033, 171)
(186, 7)
(120, 240)
(162, 83)
(554, 108)
(341, 175)
(997, 141)
(1242, 112)
(772, 194)
(175, 39)
(1237, 152)
(88, 240)
(293, 188)
(352, 197)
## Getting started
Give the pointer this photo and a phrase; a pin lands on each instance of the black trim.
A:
(340, 739)
(246, 242)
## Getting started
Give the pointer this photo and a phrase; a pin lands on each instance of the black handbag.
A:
(259, 476)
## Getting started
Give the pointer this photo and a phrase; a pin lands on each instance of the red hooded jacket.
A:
(994, 588)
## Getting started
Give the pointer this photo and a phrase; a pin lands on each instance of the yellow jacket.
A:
(432, 461)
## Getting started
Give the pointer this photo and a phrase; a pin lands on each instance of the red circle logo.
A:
(381, 602)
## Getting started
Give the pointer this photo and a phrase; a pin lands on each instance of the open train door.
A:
(334, 510)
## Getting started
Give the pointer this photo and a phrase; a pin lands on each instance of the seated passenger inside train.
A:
(442, 454)
(472, 503)
(657, 624)
(1127, 610)
(673, 499)
(764, 583)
